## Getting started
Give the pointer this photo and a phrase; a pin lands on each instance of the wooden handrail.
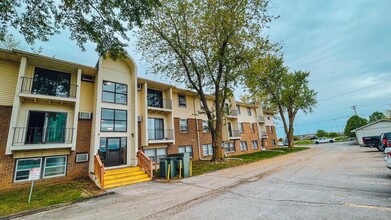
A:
(145, 163)
(99, 170)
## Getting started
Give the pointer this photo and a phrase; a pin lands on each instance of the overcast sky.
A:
(345, 44)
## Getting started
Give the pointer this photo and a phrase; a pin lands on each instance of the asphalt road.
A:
(330, 181)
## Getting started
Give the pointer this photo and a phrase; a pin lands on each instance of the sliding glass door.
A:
(46, 127)
(155, 129)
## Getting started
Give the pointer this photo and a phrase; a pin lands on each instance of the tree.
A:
(333, 134)
(354, 122)
(103, 22)
(205, 45)
(376, 116)
(268, 79)
(321, 133)
(10, 42)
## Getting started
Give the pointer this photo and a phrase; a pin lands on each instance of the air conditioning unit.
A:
(85, 115)
(87, 78)
(139, 118)
(139, 87)
(83, 157)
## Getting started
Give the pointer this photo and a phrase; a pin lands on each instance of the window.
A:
(207, 150)
(248, 111)
(23, 166)
(155, 98)
(156, 129)
(268, 116)
(271, 130)
(243, 145)
(273, 142)
(113, 120)
(181, 100)
(238, 109)
(50, 82)
(183, 125)
(55, 166)
(156, 153)
(241, 128)
(114, 92)
(229, 147)
(255, 144)
(186, 149)
(252, 127)
(205, 127)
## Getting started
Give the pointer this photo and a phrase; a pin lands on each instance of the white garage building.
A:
(373, 129)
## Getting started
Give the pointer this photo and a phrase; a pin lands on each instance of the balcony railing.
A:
(263, 133)
(261, 118)
(30, 86)
(40, 135)
(160, 103)
(160, 134)
(234, 133)
(232, 112)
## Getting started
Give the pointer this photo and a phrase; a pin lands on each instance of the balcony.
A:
(263, 134)
(49, 90)
(232, 113)
(160, 105)
(160, 135)
(41, 135)
(234, 134)
(261, 119)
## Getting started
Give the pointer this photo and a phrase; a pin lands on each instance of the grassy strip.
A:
(45, 195)
(201, 167)
(304, 142)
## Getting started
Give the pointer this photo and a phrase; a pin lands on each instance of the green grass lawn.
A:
(201, 167)
(304, 142)
(45, 195)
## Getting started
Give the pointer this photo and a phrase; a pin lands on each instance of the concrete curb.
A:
(30, 212)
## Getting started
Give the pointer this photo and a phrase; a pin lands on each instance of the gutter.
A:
(198, 131)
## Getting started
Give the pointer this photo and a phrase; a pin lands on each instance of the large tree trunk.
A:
(291, 141)
(217, 140)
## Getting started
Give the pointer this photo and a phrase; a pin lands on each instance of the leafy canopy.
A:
(103, 22)
(354, 122)
(321, 133)
(376, 116)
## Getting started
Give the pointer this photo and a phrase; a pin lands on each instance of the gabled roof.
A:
(367, 125)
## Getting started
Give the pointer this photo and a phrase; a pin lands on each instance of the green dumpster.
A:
(164, 162)
(184, 158)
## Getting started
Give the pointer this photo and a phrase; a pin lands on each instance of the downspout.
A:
(197, 131)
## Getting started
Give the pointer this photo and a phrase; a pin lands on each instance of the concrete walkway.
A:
(331, 181)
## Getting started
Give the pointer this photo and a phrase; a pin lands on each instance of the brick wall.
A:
(74, 170)
(271, 135)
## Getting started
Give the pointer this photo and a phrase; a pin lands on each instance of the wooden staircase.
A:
(124, 176)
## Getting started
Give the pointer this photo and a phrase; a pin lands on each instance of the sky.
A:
(345, 45)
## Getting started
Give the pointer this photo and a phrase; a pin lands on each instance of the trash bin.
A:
(185, 160)
(163, 166)
(164, 162)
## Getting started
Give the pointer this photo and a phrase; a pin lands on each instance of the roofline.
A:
(367, 125)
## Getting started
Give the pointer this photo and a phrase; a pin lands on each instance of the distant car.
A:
(385, 141)
(324, 140)
(388, 157)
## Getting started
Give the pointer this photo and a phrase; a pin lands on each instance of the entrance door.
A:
(113, 151)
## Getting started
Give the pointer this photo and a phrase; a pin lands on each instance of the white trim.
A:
(44, 167)
(16, 168)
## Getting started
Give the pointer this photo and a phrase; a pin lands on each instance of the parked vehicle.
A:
(371, 141)
(385, 141)
(324, 140)
(388, 157)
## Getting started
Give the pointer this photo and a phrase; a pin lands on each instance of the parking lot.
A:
(329, 181)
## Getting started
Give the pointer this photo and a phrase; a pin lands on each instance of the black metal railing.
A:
(41, 135)
(160, 134)
(50, 88)
(160, 103)
(263, 133)
(234, 133)
(261, 118)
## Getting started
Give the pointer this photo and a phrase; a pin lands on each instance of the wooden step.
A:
(125, 179)
(113, 185)
(122, 170)
(122, 175)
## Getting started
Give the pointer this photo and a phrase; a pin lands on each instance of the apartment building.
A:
(71, 120)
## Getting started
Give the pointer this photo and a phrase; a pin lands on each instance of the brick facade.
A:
(74, 170)
(271, 135)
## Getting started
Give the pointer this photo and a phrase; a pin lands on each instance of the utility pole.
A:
(354, 107)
